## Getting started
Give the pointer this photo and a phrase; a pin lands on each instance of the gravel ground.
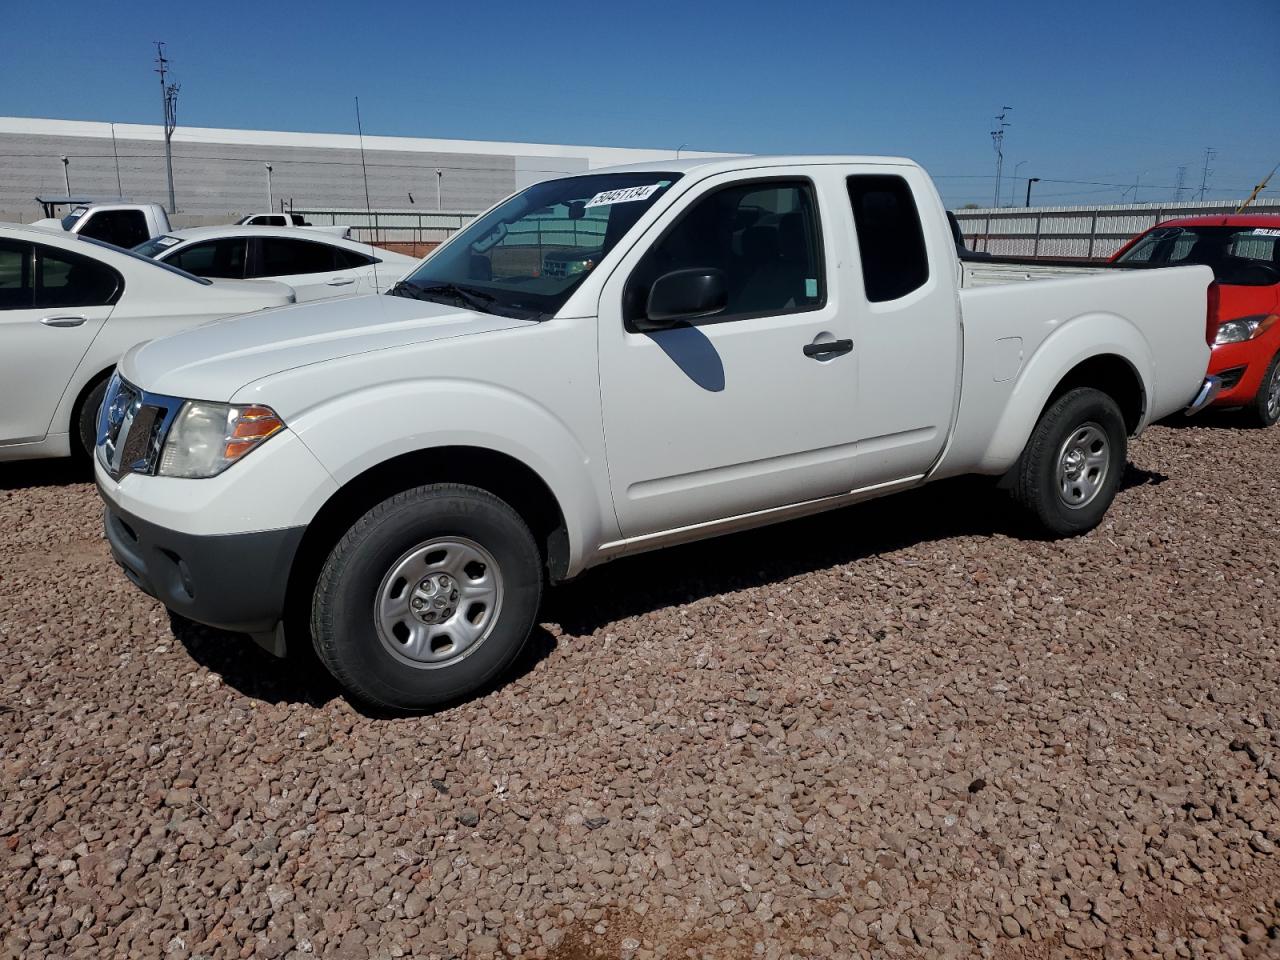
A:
(908, 729)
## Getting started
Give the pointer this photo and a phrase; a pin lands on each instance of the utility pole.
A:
(1206, 173)
(997, 141)
(169, 91)
(1181, 184)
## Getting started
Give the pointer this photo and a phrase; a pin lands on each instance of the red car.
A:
(1244, 301)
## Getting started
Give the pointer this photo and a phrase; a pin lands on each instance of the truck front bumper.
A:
(233, 581)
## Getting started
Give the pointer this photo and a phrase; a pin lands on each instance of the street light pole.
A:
(1030, 181)
(439, 178)
(66, 176)
(1016, 167)
(268, 166)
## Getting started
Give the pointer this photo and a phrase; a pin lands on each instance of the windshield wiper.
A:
(474, 299)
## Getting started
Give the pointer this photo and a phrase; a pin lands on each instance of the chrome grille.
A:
(132, 425)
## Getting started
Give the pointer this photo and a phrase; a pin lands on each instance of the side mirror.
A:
(683, 295)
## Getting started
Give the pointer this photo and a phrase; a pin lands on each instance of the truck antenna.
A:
(368, 205)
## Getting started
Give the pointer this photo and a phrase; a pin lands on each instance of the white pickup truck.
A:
(395, 477)
(117, 222)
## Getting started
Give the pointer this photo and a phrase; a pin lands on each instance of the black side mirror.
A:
(683, 295)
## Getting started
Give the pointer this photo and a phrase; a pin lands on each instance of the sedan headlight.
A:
(1244, 328)
(206, 438)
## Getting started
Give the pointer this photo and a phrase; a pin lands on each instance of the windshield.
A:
(70, 219)
(527, 255)
(1240, 256)
(155, 246)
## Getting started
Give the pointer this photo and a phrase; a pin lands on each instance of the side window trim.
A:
(820, 253)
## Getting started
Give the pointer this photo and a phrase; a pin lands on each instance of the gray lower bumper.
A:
(1211, 387)
(233, 582)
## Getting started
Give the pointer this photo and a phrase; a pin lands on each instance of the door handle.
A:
(820, 350)
(70, 321)
(341, 281)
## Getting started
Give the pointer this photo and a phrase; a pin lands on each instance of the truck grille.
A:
(132, 425)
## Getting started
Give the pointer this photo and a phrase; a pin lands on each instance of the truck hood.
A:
(213, 361)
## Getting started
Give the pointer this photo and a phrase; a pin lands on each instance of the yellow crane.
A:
(1258, 189)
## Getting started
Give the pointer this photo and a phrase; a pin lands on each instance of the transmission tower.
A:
(997, 141)
(1206, 173)
(170, 93)
(1181, 184)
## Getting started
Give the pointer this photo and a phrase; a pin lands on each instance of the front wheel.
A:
(1071, 468)
(427, 598)
(1265, 409)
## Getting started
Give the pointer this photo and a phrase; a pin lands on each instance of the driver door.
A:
(748, 408)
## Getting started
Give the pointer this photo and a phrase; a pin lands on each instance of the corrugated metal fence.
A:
(1081, 232)
(1084, 232)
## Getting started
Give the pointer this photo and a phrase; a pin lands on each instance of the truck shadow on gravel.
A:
(300, 677)
(44, 473)
(965, 506)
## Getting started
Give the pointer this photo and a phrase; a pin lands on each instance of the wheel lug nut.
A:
(417, 604)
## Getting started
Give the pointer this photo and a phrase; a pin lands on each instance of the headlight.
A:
(206, 438)
(1244, 328)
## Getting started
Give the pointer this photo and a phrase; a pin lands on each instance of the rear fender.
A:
(1072, 343)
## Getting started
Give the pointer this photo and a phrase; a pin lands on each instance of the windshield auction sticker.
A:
(623, 195)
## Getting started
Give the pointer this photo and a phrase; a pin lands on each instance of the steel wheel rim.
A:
(1273, 393)
(1084, 465)
(439, 602)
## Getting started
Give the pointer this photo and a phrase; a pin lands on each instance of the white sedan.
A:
(316, 266)
(69, 308)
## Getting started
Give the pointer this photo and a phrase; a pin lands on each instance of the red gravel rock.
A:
(911, 727)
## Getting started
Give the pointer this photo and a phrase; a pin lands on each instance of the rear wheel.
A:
(85, 421)
(1071, 468)
(428, 597)
(1265, 409)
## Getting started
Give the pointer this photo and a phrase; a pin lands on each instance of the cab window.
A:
(762, 237)
(890, 237)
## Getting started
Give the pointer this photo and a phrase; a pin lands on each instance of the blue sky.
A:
(1104, 93)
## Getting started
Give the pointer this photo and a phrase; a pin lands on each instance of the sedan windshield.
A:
(526, 256)
(1242, 256)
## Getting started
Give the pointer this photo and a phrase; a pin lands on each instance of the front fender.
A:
(1071, 343)
(447, 412)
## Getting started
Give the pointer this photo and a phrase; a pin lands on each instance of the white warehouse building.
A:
(220, 174)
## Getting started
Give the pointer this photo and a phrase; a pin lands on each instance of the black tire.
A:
(85, 421)
(345, 630)
(1264, 412)
(1038, 485)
